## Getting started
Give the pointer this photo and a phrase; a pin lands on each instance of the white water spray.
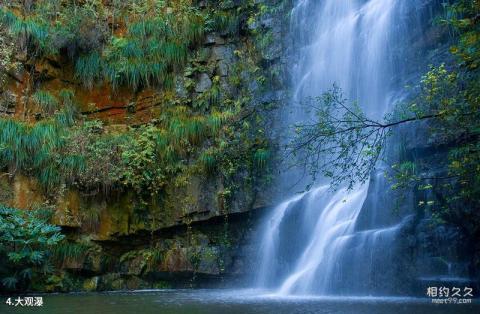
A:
(312, 244)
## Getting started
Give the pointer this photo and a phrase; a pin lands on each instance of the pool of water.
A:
(229, 302)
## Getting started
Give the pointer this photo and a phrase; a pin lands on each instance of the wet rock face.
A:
(223, 52)
(130, 247)
(209, 254)
(428, 252)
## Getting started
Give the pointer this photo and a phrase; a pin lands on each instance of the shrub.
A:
(26, 243)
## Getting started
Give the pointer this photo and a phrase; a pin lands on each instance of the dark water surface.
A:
(229, 302)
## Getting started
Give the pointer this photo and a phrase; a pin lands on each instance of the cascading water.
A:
(313, 243)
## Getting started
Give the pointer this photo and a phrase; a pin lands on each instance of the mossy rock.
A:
(91, 284)
(209, 261)
(135, 283)
(135, 265)
(111, 281)
(161, 285)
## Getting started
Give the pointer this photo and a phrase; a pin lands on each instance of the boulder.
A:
(223, 52)
(222, 68)
(204, 83)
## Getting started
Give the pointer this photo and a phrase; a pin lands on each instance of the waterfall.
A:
(313, 243)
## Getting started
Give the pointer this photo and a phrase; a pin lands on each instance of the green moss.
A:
(91, 284)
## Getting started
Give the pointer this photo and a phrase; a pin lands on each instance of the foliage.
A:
(100, 152)
(68, 252)
(26, 241)
(341, 143)
(461, 16)
(224, 21)
(144, 159)
(151, 41)
(35, 31)
(345, 145)
(455, 95)
(208, 160)
(37, 148)
(261, 157)
(156, 42)
(7, 56)
(47, 102)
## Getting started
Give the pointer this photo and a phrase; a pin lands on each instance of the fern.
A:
(26, 273)
(10, 282)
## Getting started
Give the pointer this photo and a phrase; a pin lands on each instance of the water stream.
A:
(312, 243)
